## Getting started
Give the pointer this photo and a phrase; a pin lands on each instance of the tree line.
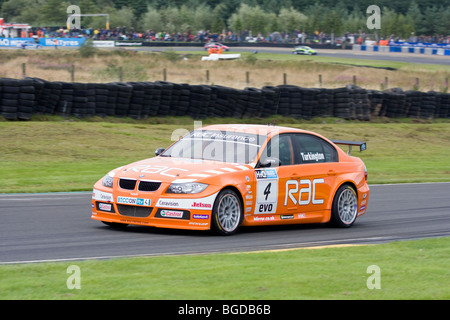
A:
(400, 18)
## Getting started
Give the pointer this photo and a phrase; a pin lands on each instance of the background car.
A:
(304, 50)
(223, 176)
(29, 45)
(216, 45)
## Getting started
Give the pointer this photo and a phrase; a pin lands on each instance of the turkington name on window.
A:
(312, 156)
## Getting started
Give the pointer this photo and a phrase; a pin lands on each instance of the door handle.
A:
(331, 172)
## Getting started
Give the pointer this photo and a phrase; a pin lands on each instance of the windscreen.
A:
(224, 146)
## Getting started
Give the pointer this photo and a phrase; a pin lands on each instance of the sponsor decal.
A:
(168, 203)
(301, 216)
(205, 203)
(171, 214)
(198, 223)
(362, 208)
(312, 156)
(263, 218)
(292, 187)
(201, 205)
(266, 174)
(153, 169)
(266, 191)
(200, 216)
(102, 196)
(105, 206)
(284, 217)
(134, 201)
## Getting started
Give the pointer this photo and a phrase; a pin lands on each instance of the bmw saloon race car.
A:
(222, 177)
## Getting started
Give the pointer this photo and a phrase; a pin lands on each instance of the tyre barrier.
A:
(22, 98)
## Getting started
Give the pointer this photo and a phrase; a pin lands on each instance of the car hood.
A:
(166, 169)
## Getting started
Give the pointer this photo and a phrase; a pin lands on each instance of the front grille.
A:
(134, 211)
(127, 184)
(148, 185)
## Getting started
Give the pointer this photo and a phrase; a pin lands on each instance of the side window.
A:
(280, 147)
(312, 149)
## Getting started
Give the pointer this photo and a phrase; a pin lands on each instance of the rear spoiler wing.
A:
(362, 145)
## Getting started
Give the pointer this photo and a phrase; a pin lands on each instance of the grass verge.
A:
(49, 156)
(186, 67)
(408, 270)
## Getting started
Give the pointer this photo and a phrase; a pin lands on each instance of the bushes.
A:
(20, 99)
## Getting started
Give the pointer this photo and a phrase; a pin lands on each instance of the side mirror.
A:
(269, 162)
(159, 151)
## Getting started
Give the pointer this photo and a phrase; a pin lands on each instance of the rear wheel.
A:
(227, 212)
(345, 207)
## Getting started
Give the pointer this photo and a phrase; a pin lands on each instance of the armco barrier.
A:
(443, 51)
(20, 99)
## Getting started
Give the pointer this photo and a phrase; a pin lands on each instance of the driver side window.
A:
(280, 147)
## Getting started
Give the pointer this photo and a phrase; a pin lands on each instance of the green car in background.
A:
(304, 50)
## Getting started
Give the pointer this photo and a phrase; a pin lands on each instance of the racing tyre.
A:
(227, 212)
(345, 207)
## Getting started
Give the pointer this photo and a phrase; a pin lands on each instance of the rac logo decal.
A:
(293, 186)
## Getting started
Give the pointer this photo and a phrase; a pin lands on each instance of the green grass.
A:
(408, 270)
(49, 156)
(264, 57)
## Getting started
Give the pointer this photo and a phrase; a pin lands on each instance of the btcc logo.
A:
(292, 187)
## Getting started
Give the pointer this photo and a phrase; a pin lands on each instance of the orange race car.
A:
(223, 176)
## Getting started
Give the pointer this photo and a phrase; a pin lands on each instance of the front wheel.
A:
(345, 207)
(227, 212)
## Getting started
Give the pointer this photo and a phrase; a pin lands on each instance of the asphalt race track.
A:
(336, 53)
(58, 227)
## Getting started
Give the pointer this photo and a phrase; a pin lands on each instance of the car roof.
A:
(253, 128)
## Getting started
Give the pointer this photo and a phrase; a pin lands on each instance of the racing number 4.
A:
(267, 190)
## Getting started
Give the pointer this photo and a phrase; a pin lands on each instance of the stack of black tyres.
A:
(27, 100)
(136, 100)
(166, 98)
(360, 104)
(111, 100)
(124, 92)
(255, 102)
(342, 103)
(199, 101)
(413, 101)
(52, 93)
(325, 106)
(101, 99)
(155, 90)
(395, 101)
(80, 99)
(310, 102)
(271, 100)
(10, 98)
(183, 100)
(91, 103)
(284, 102)
(444, 110)
(64, 107)
(375, 102)
(428, 105)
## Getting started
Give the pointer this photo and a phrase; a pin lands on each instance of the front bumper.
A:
(152, 209)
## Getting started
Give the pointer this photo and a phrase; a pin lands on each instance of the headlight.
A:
(189, 187)
(108, 180)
